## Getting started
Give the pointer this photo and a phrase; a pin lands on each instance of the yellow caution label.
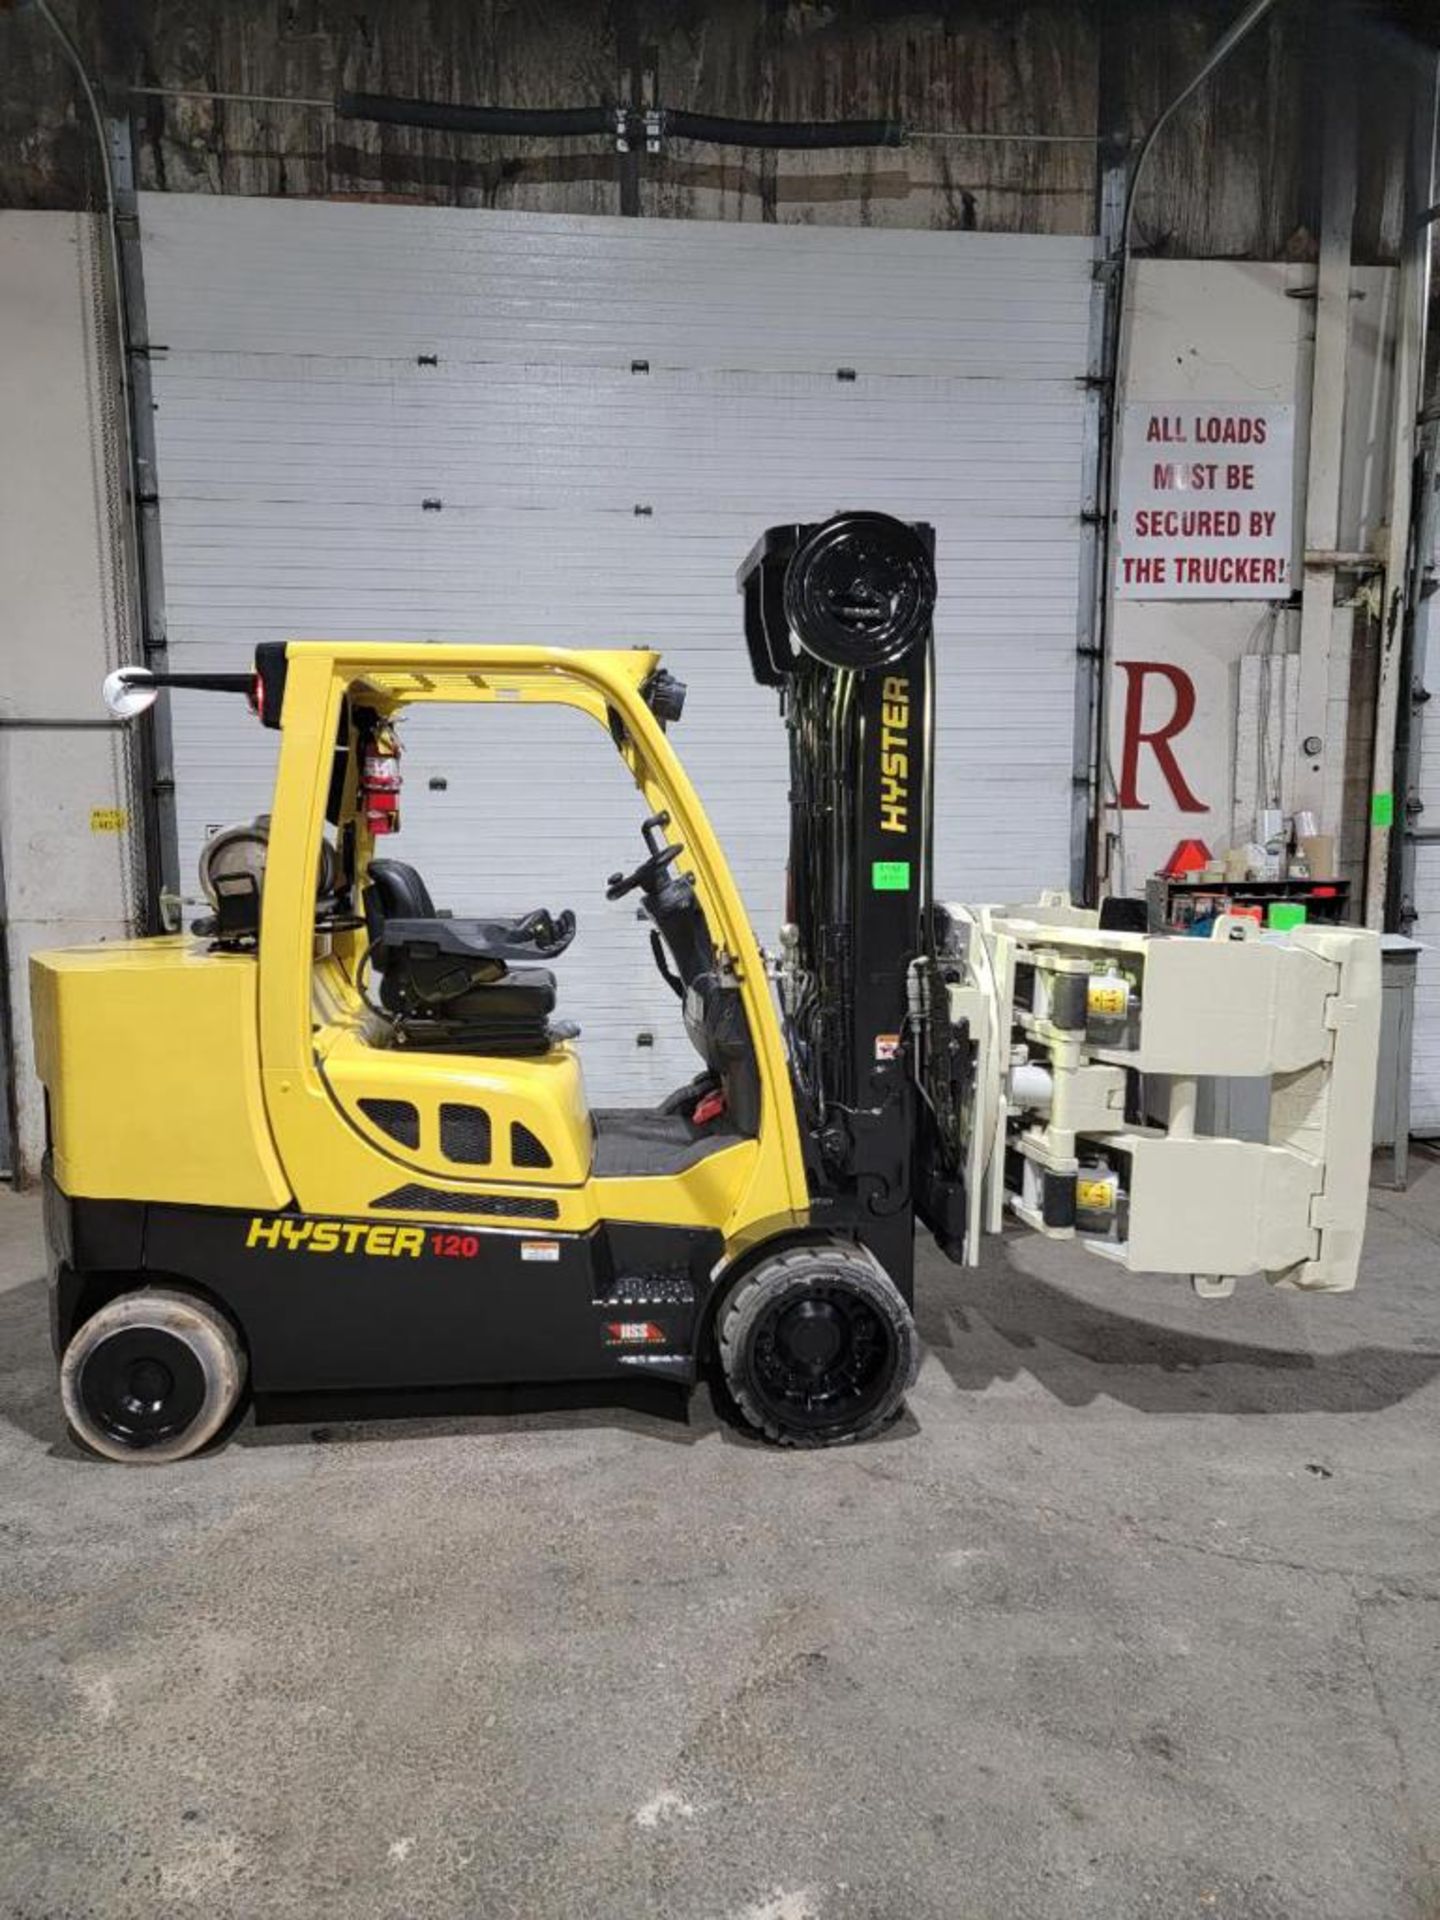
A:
(108, 819)
(1108, 997)
(1096, 1196)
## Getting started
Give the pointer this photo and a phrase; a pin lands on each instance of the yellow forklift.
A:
(332, 1148)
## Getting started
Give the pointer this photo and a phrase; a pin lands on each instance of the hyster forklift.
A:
(332, 1146)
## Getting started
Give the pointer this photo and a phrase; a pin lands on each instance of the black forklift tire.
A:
(817, 1347)
(151, 1377)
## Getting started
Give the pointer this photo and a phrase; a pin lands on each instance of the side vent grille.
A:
(465, 1135)
(395, 1117)
(474, 1206)
(525, 1149)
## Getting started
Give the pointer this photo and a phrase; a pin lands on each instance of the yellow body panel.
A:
(546, 1096)
(148, 1050)
(745, 1191)
(160, 1090)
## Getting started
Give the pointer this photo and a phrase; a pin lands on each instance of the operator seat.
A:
(449, 984)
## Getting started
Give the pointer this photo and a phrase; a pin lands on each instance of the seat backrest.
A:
(393, 891)
(399, 892)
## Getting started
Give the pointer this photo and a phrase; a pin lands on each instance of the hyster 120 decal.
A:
(289, 1235)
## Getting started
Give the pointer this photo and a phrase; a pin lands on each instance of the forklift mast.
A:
(838, 619)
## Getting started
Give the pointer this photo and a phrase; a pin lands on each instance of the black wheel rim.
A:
(822, 1358)
(142, 1387)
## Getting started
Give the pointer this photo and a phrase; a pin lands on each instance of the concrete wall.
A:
(1243, 332)
(1235, 176)
(64, 880)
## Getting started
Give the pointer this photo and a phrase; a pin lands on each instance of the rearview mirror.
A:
(129, 691)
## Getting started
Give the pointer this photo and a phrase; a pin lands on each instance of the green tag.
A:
(890, 876)
(1382, 810)
(1282, 915)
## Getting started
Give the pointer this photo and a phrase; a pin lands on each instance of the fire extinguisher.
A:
(380, 782)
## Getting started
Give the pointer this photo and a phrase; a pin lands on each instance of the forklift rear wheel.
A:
(152, 1376)
(818, 1347)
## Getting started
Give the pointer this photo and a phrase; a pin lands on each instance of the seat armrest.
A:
(460, 939)
(494, 940)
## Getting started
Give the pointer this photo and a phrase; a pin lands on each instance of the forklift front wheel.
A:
(817, 1347)
(152, 1376)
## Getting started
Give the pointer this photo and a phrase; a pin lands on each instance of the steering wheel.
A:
(650, 869)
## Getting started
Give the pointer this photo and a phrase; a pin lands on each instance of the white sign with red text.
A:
(1171, 728)
(1206, 502)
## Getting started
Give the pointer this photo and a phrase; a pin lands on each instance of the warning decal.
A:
(1206, 502)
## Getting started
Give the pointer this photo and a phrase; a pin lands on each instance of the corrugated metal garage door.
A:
(608, 412)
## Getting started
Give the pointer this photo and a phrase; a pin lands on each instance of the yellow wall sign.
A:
(108, 819)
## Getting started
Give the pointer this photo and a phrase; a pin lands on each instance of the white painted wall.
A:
(62, 882)
(1237, 331)
(1203, 330)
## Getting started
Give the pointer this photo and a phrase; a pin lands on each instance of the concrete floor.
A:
(1137, 1613)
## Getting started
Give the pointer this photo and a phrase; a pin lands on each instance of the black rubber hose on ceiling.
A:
(541, 122)
(569, 122)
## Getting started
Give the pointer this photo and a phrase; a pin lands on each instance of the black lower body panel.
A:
(328, 1305)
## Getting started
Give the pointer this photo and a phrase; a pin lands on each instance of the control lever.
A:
(649, 870)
